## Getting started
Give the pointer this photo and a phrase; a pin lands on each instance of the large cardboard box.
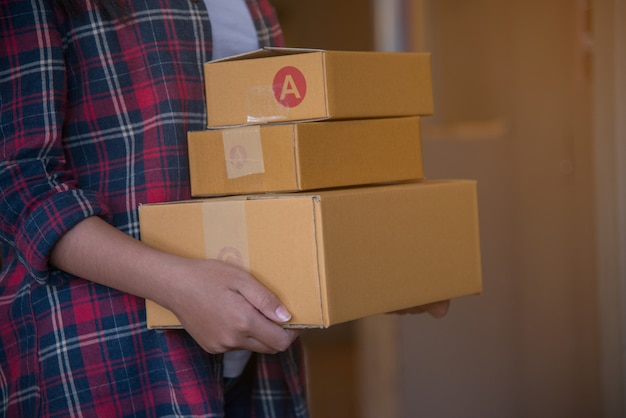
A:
(304, 156)
(337, 255)
(280, 84)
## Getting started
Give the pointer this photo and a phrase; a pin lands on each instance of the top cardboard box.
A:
(282, 84)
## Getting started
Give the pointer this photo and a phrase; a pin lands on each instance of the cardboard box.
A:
(304, 156)
(281, 84)
(336, 255)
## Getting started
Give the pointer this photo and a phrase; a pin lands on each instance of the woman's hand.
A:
(223, 307)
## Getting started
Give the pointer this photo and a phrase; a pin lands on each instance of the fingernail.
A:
(283, 314)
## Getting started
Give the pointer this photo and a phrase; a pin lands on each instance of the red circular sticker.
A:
(231, 255)
(289, 86)
(238, 156)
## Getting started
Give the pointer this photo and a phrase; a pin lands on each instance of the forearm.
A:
(99, 252)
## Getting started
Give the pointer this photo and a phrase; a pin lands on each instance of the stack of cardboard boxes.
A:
(310, 176)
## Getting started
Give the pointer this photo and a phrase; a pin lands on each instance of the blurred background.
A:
(530, 100)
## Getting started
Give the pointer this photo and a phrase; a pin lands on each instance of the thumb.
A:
(265, 301)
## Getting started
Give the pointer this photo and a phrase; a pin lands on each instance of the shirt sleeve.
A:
(40, 199)
(266, 23)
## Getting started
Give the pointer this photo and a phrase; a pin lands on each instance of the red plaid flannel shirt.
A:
(93, 121)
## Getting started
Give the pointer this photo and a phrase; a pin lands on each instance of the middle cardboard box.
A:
(304, 156)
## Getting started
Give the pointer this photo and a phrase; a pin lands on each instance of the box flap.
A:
(275, 239)
(267, 51)
(286, 230)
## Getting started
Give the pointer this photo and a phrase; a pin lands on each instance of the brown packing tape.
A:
(226, 233)
(262, 97)
(243, 151)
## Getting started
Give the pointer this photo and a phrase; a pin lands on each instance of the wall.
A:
(337, 25)
(609, 110)
(513, 110)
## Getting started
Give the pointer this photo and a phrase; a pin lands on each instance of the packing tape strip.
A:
(226, 232)
(243, 151)
(262, 107)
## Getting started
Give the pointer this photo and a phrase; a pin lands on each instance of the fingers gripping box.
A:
(336, 255)
(283, 84)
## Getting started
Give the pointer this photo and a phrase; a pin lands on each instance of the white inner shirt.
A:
(233, 33)
(232, 27)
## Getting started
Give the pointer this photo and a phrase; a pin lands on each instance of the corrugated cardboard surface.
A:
(305, 156)
(337, 85)
(338, 255)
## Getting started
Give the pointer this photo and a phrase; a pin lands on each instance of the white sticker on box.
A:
(226, 232)
(243, 151)
(262, 106)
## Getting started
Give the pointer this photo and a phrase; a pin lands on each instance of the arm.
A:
(221, 306)
(50, 221)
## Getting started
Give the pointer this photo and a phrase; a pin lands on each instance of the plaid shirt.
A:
(93, 121)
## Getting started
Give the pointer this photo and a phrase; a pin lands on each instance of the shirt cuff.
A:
(49, 221)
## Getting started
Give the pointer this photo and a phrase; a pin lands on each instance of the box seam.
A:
(296, 153)
(324, 55)
(319, 256)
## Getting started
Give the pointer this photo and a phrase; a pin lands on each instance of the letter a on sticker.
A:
(289, 86)
(238, 156)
